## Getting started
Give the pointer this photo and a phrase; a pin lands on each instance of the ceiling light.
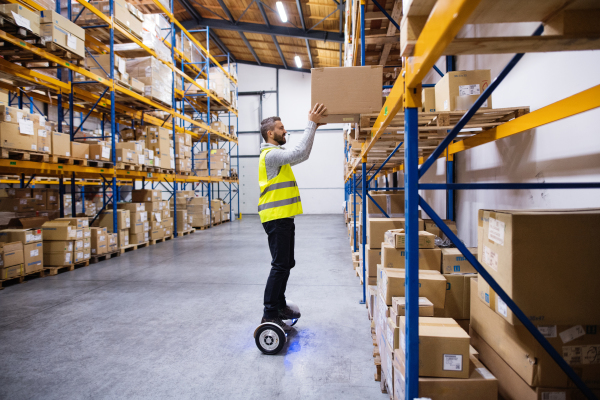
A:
(281, 11)
(298, 62)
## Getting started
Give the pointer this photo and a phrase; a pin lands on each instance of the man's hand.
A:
(316, 114)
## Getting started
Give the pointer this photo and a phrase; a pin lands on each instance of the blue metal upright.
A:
(364, 227)
(354, 212)
(411, 199)
(113, 116)
(173, 124)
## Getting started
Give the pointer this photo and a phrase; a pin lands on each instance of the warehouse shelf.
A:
(114, 101)
(393, 139)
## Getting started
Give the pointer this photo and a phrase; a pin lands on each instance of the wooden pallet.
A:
(161, 240)
(133, 247)
(52, 270)
(100, 164)
(22, 278)
(23, 155)
(103, 257)
(186, 232)
(83, 162)
(202, 228)
(128, 167)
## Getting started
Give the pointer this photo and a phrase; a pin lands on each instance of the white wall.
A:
(321, 177)
(563, 151)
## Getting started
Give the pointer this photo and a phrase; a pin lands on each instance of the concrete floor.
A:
(175, 321)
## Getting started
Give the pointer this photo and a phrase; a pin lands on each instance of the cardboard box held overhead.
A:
(347, 91)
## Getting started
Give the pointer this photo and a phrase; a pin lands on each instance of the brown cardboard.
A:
(397, 239)
(347, 90)
(51, 197)
(12, 138)
(24, 236)
(540, 260)
(13, 253)
(17, 205)
(18, 193)
(80, 150)
(428, 99)
(61, 144)
(58, 258)
(39, 195)
(54, 33)
(33, 257)
(100, 152)
(58, 230)
(454, 262)
(458, 90)
(58, 246)
(429, 259)
(373, 258)
(432, 285)
(518, 348)
(431, 227)
(480, 384)
(425, 306)
(32, 17)
(76, 222)
(458, 297)
(132, 207)
(510, 384)
(50, 16)
(78, 256)
(139, 196)
(443, 348)
(106, 220)
(138, 238)
(44, 140)
(390, 202)
(376, 228)
(123, 238)
(11, 272)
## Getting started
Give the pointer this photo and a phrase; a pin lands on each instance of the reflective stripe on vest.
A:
(280, 196)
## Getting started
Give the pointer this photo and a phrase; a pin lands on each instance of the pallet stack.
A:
(219, 163)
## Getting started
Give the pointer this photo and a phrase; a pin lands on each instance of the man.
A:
(279, 202)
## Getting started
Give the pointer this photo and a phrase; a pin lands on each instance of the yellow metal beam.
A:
(573, 105)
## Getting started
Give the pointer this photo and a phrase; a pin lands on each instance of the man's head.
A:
(272, 131)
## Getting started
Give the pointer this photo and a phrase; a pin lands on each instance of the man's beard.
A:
(279, 139)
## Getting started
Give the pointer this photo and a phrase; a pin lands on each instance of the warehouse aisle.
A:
(175, 320)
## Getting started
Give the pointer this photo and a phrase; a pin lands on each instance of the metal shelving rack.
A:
(101, 108)
(445, 19)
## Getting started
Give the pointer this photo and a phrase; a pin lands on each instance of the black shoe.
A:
(288, 313)
(277, 321)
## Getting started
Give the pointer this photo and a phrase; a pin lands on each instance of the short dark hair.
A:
(267, 124)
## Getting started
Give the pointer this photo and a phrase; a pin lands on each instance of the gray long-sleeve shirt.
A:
(297, 154)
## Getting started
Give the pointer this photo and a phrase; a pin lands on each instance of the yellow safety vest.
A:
(280, 196)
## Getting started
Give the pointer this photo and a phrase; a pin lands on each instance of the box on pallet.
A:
(458, 90)
(22, 16)
(397, 239)
(99, 242)
(12, 253)
(59, 30)
(392, 203)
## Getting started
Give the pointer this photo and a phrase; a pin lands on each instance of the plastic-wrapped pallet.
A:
(221, 82)
(156, 76)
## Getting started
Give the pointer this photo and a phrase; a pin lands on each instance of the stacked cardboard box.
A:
(458, 90)
(139, 226)
(526, 253)
(32, 247)
(25, 17)
(59, 237)
(123, 224)
(159, 143)
(20, 130)
(155, 75)
(216, 206)
(183, 152)
(219, 163)
(82, 247)
(59, 30)
(12, 260)
(197, 211)
(158, 216)
(131, 152)
(222, 84)
(99, 241)
(126, 15)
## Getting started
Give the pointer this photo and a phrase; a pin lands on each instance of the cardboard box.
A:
(138, 238)
(100, 152)
(428, 99)
(33, 257)
(458, 90)
(58, 246)
(58, 258)
(29, 19)
(55, 33)
(44, 140)
(17, 205)
(390, 202)
(58, 230)
(541, 261)
(123, 238)
(397, 239)
(132, 207)
(11, 272)
(429, 259)
(377, 227)
(399, 306)
(51, 197)
(123, 220)
(443, 348)
(61, 144)
(18, 136)
(24, 236)
(515, 345)
(458, 297)
(480, 384)
(39, 195)
(12, 253)
(17, 193)
(78, 256)
(453, 261)
(431, 227)
(432, 285)
(347, 91)
(373, 259)
(510, 384)
(80, 150)
(76, 222)
(139, 196)
(155, 234)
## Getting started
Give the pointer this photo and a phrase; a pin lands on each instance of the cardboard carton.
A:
(453, 261)
(18, 135)
(44, 140)
(390, 202)
(17, 193)
(519, 349)
(138, 238)
(399, 307)
(76, 222)
(39, 195)
(146, 195)
(443, 348)
(377, 227)
(17, 205)
(106, 220)
(58, 258)
(373, 258)
(432, 285)
(24, 236)
(55, 33)
(80, 150)
(33, 257)
(27, 18)
(541, 261)
(347, 91)
(428, 99)
(431, 227)
(397, 239)
(429, 259)
(58, 230)
(61, 144)
(12, 253)
(479, 385)
(58, 246)
(123, 237)
(458, 90)
(458, 297)
(11, 272)
(100, 152)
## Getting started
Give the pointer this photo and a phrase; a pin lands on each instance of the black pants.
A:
(281, 243)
